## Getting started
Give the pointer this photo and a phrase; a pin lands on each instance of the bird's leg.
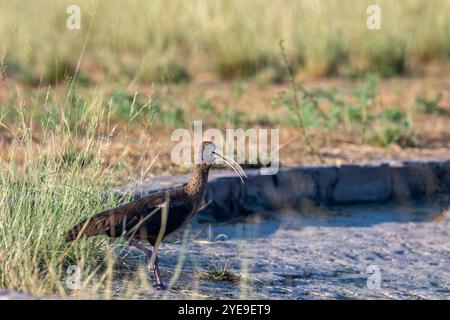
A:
(148, 255)
(157, 274)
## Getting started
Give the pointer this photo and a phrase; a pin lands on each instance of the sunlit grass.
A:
(47, 188)
(147, 41)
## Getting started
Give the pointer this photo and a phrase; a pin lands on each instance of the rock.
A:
(414, 180)
(362, 184)
(326, 179)
(444, 174)
(297, 188)
(222, 194)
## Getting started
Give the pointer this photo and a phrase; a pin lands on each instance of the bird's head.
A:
(210, 152)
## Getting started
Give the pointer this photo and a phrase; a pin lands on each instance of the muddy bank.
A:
(304, 187)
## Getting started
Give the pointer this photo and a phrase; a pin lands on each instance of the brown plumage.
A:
(146, 218)
(141, 219)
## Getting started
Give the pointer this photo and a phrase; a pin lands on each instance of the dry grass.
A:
(46, 188)
(132, 135)
(147, 41)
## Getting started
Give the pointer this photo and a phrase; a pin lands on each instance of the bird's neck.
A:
(197, 184)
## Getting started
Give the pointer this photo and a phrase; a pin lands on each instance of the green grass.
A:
(428, 105)
(156, 41)
(45, 190)
(39, 205)
(312, 109)
(220, 276)
(393, 125)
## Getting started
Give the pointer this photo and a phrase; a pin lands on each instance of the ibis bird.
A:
(155, 216)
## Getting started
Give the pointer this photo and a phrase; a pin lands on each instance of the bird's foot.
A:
(160, 286)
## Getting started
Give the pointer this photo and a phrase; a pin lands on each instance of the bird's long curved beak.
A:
(233, 164)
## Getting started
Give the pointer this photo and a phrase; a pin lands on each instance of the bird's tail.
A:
(90, 227)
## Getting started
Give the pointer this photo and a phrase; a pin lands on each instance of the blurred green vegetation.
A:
(309, 109)
(171, 41)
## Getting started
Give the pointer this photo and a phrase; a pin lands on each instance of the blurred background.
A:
(147, 67)
(178, 41)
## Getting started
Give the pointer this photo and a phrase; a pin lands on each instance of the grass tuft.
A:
(220, 276)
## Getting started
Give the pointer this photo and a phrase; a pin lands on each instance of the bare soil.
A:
(332, 253)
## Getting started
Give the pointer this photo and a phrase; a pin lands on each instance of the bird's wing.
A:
(179, 210)
(116, 221)
(140, 217)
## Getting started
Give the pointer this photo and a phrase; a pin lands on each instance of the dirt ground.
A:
(333, 253)
(149, 153)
